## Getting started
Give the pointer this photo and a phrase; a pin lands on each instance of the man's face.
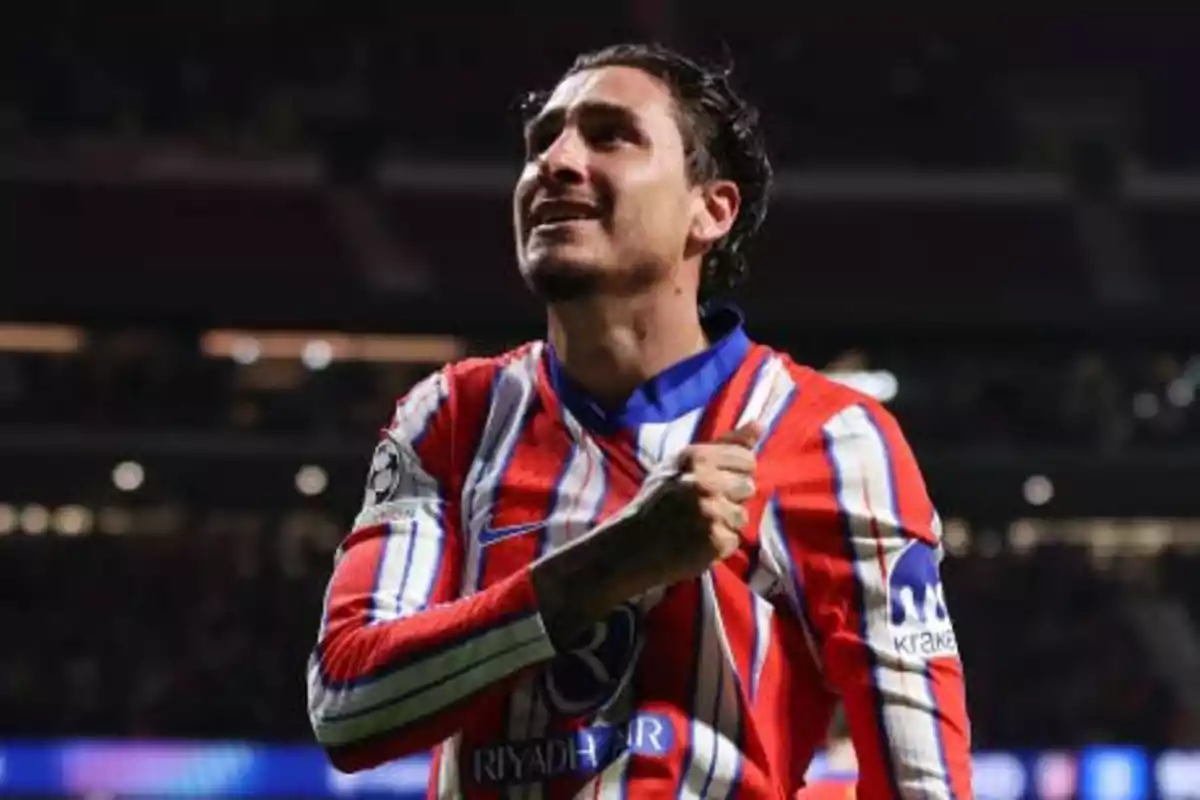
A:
(604, 203)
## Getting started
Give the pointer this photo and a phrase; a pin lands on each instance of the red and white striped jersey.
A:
(716, 687)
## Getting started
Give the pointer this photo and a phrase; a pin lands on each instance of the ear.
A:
(716, 209)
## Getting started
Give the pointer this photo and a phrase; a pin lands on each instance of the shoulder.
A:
(461, 385)
(473, 380)
(440, 418)
(822, 406)
(843, 448)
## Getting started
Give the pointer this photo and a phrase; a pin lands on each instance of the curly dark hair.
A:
(722, 140)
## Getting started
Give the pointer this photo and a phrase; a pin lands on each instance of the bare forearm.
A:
(581, 583)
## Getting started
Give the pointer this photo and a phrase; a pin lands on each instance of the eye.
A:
(608, 134)
(537, 141)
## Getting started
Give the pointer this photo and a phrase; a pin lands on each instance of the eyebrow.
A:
(590, 108)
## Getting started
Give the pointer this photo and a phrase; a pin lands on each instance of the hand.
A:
(686, 516)
(696, 516)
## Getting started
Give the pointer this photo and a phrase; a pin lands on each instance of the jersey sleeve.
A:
(399, 656)
(863, 545)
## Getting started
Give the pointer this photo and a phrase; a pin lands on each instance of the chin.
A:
(557, 280)
(560, 277)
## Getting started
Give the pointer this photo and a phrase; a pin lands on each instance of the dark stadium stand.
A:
(277, 251)
(1173, 248)
(183, 612)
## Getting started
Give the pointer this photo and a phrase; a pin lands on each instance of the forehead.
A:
(628, 87)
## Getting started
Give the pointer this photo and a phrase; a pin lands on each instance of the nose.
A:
(565, 161)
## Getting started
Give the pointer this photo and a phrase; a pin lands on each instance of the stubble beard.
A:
(564, 281)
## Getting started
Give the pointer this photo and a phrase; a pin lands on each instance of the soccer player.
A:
(645, 557)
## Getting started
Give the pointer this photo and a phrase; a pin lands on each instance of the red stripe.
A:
(672, 640)
(949, 697)
(810, 509)
(352, 651)
(519, 498)
(435, 771)
(445, 447)
(622, 479)
(914, 509)
(793, 730)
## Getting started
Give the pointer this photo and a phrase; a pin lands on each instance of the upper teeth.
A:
(561, 215)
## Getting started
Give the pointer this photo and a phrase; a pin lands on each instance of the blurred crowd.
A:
(205, 634)
(1100, 400)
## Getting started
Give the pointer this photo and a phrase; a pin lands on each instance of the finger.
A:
(718, 456)
(746, 435)
(723, 511)
(738, 487)
(708, 481)
(725, 541)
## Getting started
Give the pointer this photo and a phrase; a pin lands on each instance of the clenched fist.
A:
(695, 513)
(688, 514)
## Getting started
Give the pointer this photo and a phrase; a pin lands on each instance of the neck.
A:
(610, 346)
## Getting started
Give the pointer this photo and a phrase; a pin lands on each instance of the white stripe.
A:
(416, 511)
(765, 383)
(861, 463)
(414, 411)
(657, 444)
(715, 709)
(774, 555)
(514, 390)
(765, 584)
(474, 664)
(660, 441)
(412, 547)
(578, 498)
(522, 704)
(609, 784)
(764, 615)
(448, 786)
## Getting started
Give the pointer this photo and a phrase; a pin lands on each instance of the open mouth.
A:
(552, 214)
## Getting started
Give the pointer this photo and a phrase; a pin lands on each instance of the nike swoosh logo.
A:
(492, 535)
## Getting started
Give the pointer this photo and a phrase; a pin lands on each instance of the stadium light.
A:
(1038, 490)
(72, 520)
(245, 350)
(956, 537)
(1022, 536)
(8, 519)
(1145, 405)
(317, 354)
(311, 481)
(35, 519)
(1181, 392)
(128, 476)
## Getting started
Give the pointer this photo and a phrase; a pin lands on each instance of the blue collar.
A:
(675, 391)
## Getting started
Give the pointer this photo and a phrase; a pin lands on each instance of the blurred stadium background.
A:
(231, 233)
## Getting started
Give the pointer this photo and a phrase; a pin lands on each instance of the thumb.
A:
(746, 435)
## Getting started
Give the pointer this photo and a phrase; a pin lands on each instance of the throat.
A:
(611, 364)
(626, 380)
